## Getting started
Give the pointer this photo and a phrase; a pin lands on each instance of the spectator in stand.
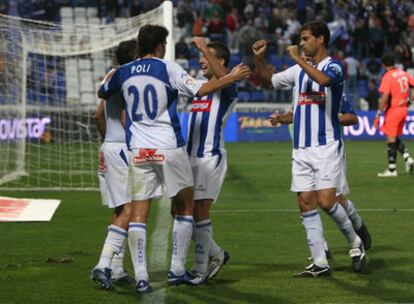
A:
(406, 56)
(392, 36)
(211, 10)
(185, 16)
(216, 28)
(135, 8)
(352, 65)
(360, 35)
(373, 68)
(181, 49)
(199, 27)
(376, 36)
(4, 7)
(248, 35)
(372, 96)
(233, 26)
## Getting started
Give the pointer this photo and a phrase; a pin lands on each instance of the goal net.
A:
(49, 74)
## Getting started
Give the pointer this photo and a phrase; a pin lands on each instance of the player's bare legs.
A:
(121, 216)
(137, 241)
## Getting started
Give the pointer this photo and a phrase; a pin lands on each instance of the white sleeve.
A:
(286, 78)
(181, 81)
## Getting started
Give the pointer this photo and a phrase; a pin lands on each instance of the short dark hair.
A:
(222, 51)
(318, 28)
(149, 37)
(388, 60)
(127, 51)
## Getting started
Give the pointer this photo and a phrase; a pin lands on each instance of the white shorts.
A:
(316, 168)
(343, 185)
(209, 173)
(153, 168)
(113, 174)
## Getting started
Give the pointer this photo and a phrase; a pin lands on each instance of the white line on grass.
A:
(296, 210)
(158, 258)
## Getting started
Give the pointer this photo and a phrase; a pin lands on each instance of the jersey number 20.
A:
(150, 94)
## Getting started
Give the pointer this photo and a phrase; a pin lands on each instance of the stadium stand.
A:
(362, 30)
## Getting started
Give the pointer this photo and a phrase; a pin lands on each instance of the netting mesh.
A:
(49, 75)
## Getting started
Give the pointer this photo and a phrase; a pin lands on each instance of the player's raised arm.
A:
(317, 75)
(107, 88)
(238, 73)
(219, 70)
(262, 71)
(100, 119)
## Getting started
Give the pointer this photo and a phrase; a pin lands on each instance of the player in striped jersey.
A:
(113, 171)
(347, 117)
(150, 87)
(317, 145)
(208, 156)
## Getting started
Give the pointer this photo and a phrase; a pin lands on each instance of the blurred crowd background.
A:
(361, 33)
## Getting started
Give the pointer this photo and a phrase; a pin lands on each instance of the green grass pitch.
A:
(255, 220)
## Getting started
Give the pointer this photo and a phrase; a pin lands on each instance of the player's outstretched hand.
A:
(240, 72)
(199, 43)
(259, 48)
(274, 119)
(293, 51)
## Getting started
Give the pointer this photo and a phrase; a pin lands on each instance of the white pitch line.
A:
(158, 258)
(296, 210)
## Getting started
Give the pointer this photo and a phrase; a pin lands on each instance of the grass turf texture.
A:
(255, 220)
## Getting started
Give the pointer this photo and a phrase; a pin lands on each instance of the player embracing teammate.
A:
(150, 88)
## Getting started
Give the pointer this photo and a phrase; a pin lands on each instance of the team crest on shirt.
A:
(147, 156)
(336, 69)
(201, 105)
(190, 81)
(311, 98)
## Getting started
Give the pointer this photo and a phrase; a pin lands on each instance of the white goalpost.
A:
(49, 74)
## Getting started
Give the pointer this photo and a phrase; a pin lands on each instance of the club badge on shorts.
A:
(147, 156)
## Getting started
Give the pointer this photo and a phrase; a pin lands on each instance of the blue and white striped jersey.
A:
(315, 107)
(207, 119)
(113, 111)
(150, 88)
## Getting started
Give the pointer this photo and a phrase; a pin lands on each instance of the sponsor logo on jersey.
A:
(147, 156)
(311, 98)
(201, 105)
